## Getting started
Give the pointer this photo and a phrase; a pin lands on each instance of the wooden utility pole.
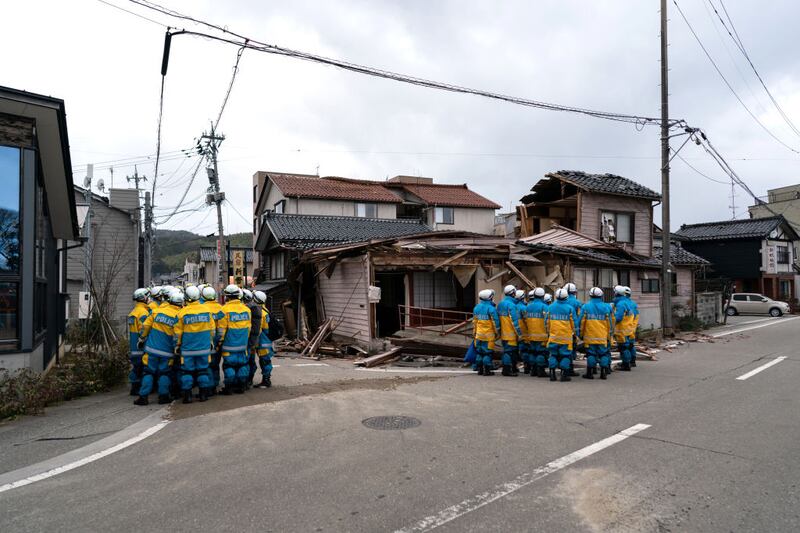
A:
(216, 197)
(666, 271)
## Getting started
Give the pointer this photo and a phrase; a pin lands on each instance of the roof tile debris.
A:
(754, 228)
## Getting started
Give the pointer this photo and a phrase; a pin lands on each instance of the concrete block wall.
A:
(708, 307)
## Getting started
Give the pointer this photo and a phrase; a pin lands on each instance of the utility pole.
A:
(144, 273)
(148, 238)
(87, 231)
(136, 178)
(214, 196)
(733, 200)
(666, 241)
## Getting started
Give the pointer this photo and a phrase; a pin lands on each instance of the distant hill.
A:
(173, 247)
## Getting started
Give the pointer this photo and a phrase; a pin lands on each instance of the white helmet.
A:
(141, 295)
(493, 293)
(627, 290)
(209, 293)
(176, 297)
(619, 290)
(548, 298)
(486, 294)
(259, 297)
(155, 292)
(571, 288)
(248, 295)
(232, 291)
(596, 292)
(519, 294)
(509, 290)
(532, 294)
(192, 293)
(562, 294)
(165, 291)
(538, 292)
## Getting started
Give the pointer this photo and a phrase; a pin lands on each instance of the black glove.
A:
(140, 344)
(177, 350)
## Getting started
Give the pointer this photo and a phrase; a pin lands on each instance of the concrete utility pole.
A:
(214, 196)
(87, 225)
(136, 178)
(148, 238)
(666, 272)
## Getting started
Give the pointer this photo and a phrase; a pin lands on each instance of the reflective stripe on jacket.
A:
(486, 323)
(263, 338)
(195, 329)
(508, 312)
(233, 328)
(136, 320)
(535, 320)
(561, 324)
(596, 323)
(159, 330)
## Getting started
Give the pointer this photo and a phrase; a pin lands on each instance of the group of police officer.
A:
(179, 337)
(543, 334)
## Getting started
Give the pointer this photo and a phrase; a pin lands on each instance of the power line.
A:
(230, 86)
(709, 178)
(253, 44)
(248, 222)
(727, 83)
(743, 50)
(133, 13)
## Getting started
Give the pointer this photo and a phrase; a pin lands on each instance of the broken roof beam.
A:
(497, 276)
(450, 259)
(520, 275)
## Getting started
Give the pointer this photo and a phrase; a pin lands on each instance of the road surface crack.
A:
(700, 448)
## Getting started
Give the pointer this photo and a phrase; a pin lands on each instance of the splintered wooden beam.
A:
(379, 358)
(450, 259)
(521, 276)
(497, 276)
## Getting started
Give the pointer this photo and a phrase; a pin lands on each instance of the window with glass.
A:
(277, 265)
(434, 290)
(445, 215)
(650, 286)
(366, 210)
(783, 255)
(279, 207)
(616, 227)
(10, 165)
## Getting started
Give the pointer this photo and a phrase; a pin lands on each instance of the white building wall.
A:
(473, 219)
(340, 208)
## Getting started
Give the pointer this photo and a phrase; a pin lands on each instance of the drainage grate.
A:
(391, 422)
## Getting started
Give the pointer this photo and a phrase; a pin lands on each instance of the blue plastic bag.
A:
(472, 353)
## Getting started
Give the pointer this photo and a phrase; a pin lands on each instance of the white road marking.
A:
(86, 460)
(476, 502)
(414, 371)
(761, 368)
(760, 325)
(311, 364)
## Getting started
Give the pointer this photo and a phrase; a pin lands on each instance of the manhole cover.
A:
(391, 422)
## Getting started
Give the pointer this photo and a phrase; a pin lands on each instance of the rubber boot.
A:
(187, 396)
(534, 371)
(203, 396)
(626, 367)
(565, 375)
(572, 369)
(589, 373)
(480, 370)
(488, 370)
(141, 400)
(265, 383)
(514, 369)
(226, 390)
(240, 388)
(526, 368)
(552, 374)
(603, 372)
(633, 363)
(135, 388)
(507, 371)
(594, 370)
(542, 372)
(164, 398)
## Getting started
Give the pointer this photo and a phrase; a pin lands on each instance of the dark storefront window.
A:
(9, 245)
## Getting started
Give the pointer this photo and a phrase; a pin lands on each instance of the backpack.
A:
(275, 329)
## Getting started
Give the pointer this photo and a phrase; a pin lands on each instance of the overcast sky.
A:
(293, 116)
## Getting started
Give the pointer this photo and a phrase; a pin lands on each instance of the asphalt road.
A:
(707, 452)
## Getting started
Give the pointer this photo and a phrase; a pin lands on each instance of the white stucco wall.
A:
(476, 220)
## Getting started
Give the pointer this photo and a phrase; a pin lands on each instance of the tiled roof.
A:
(293, 185)
(318, 231)
(605, 183)
(595, 256)
(449, 195)
(753, 228)
(680, 256)
(209, 253)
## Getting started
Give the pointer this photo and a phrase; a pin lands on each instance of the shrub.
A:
(690, 323)
(79, 374)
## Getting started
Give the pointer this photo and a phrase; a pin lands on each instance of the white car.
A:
(755, 304)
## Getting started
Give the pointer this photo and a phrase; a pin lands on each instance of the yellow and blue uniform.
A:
(560, 334)
(524, 350)
(536, 328)
(215, 309)
(510, 332)
(152, 305)
(158, 332)
(136, 319)
(634, 328)
(194, 335)
(596, 326)
(233, 330)
(486, 328)
(624, 321)
(265, 350)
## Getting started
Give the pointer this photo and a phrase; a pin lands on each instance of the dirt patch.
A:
(280, 393)
(606, 501)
